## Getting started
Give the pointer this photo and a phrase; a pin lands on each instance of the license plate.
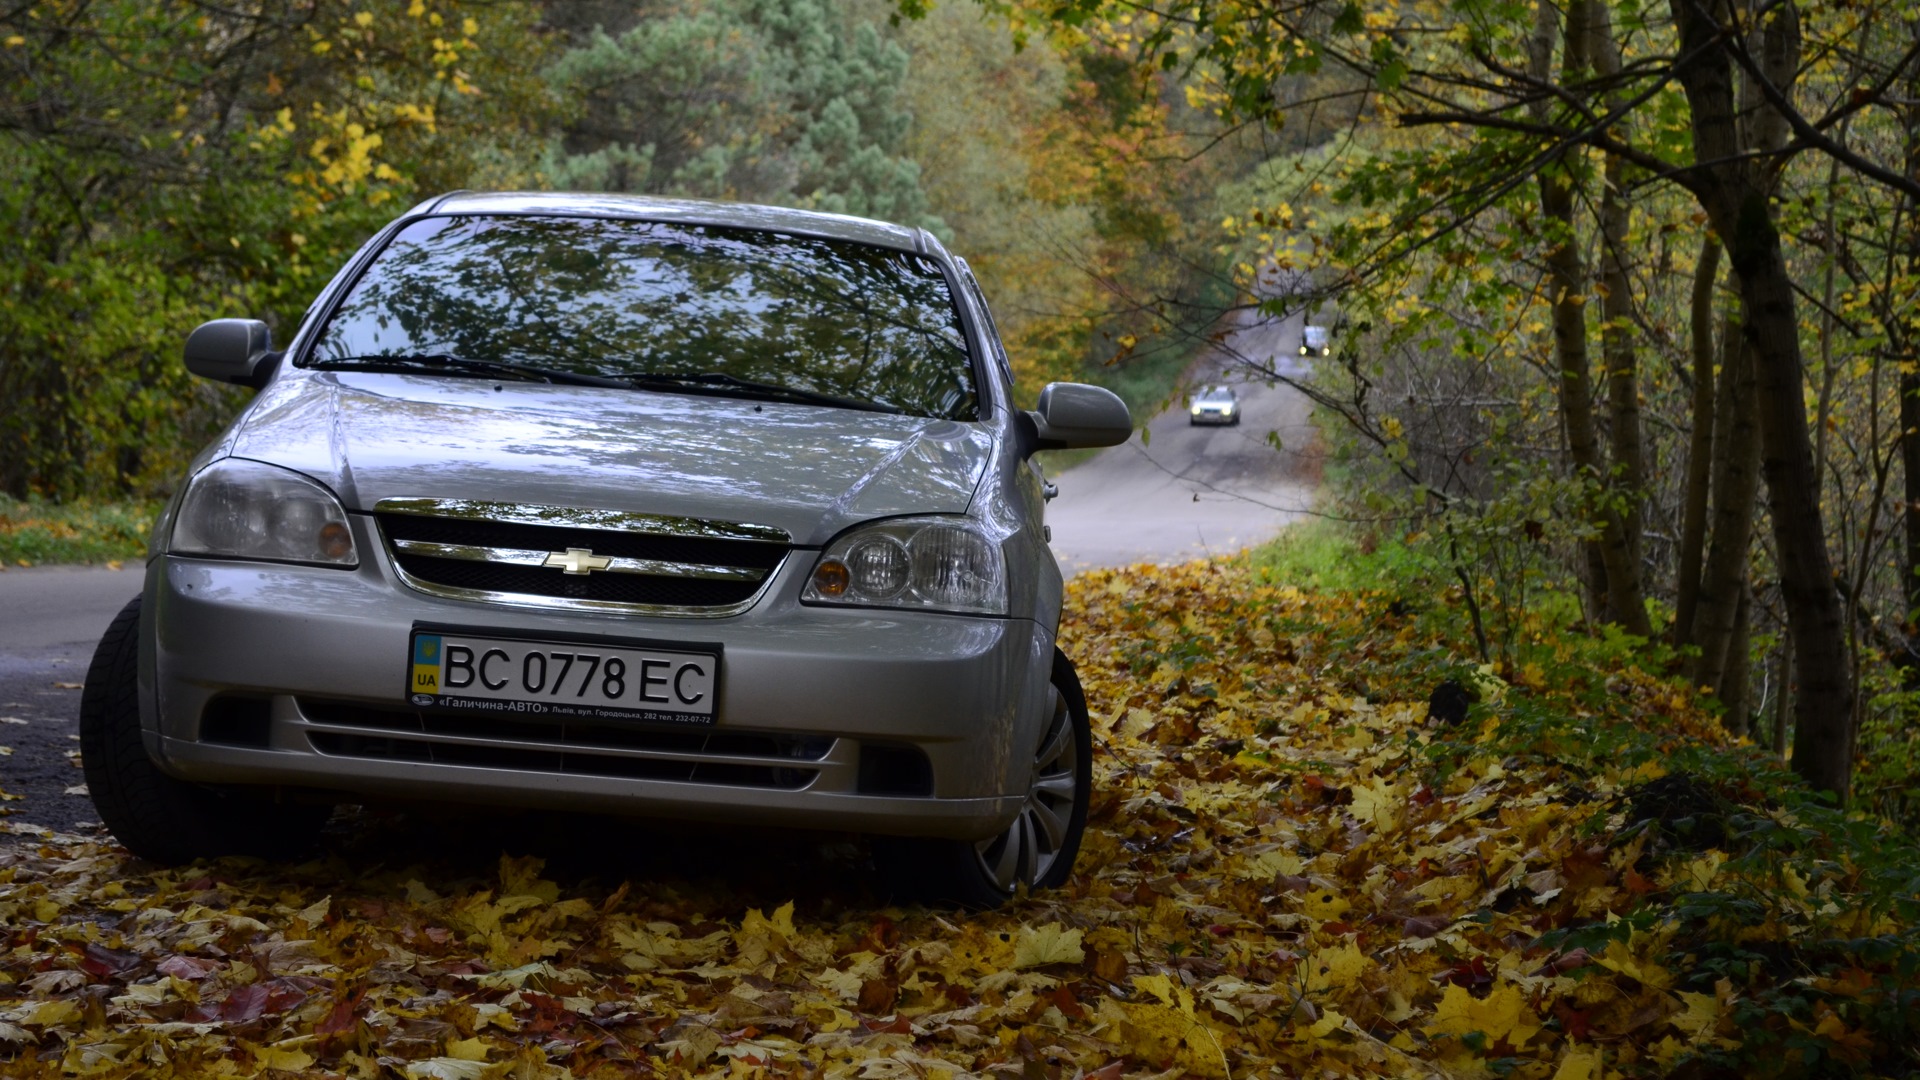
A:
(560, 680)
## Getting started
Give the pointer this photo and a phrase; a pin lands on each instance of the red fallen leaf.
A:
(880, 938)
(1422, 796)
(1471, 974)
(245, 1003)
(1635, 883)
(1220, 930)
(100, 961)
(341, 1018)
(1564, 962)
(1576, 1024)
(252, 1001)
(893, 1025)
(1110, 1071)
(1586, 869)
(550, 1017)
(190, 968)
(1425, 926)
(1064, 1000)
(878, 995)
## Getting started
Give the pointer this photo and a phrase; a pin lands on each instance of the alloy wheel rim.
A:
(1027, 850)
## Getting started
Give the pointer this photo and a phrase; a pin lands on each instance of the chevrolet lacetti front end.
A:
(617, 505)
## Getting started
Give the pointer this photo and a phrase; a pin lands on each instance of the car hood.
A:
(809, 470)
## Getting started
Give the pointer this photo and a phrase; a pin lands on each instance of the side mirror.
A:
(231, 351)
(1074, 415)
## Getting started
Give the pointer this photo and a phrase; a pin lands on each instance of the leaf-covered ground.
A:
(1291, 869)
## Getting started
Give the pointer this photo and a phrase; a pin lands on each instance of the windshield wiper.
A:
(748, 388)
(449, 362)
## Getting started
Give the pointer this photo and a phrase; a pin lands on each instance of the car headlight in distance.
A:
(935, 564)
(248, 510)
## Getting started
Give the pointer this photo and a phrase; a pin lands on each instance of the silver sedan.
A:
(621, 505)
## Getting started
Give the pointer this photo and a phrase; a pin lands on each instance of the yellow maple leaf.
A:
(1049, 944)
(468, 1049)
(1701, 1015)
(1341, 965)
(446, 1068)
(52, 1013)
(1325, 905)
(1619, 957)
(1580, 1063)
(1502, 1014)
(1170, 993)
(285, 1055)
(1377, 803)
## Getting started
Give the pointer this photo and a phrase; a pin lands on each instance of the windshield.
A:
(620, 299)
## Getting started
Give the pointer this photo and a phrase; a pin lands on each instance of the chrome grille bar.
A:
(615, 564)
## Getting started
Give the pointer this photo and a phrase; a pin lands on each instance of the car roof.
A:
(693, 211)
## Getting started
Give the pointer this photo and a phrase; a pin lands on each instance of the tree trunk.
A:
(1910, 464)
(1626, 486)
(1693, 522)
(1736, 483)
(1616, 597)
(1736, 673)
(1910, 393)
(1734, 194)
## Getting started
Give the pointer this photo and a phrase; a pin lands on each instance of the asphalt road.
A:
(50, 619)
(1183, 492)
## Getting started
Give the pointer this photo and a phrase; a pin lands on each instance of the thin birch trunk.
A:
(1693, 523)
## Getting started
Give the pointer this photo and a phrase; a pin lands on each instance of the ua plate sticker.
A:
(562, 680)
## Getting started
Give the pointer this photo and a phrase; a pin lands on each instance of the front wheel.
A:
(156, 816)
(1038, 849)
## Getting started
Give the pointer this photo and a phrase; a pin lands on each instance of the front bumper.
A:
(1211, 417)
(876, 721)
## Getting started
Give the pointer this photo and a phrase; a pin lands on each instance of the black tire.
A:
(984, 875)
(156, 816)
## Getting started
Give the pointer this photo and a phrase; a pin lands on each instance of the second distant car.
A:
(1316, 341)
(1215, 405)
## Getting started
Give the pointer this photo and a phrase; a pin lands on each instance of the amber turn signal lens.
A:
(335, 540)
(831, 577)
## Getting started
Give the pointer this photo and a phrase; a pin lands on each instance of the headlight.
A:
(1303, 350)
(938, 564)
(247, 510)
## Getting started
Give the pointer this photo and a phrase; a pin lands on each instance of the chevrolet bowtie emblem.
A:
(578, 561)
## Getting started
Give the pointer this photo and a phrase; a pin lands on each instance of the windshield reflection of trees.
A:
(624, 298)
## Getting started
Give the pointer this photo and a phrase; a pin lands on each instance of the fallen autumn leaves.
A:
(1288, 868)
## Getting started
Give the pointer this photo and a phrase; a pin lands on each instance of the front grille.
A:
(539, 581)
(467, 550)
(578, 749)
